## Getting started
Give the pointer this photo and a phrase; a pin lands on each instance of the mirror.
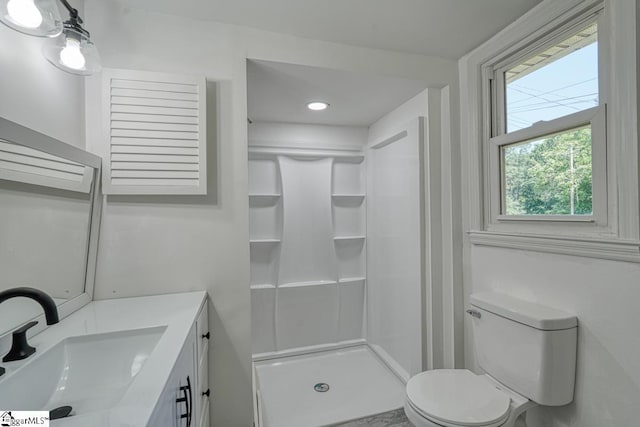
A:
(49, 215)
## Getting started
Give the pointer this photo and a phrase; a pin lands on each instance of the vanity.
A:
(121, 362)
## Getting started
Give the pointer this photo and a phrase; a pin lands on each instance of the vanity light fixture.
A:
(317, 105)
(70, 48)
(73, 51)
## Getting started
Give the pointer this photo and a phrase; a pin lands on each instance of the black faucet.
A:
(20, 349)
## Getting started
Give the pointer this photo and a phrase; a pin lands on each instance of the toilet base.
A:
(416, 419)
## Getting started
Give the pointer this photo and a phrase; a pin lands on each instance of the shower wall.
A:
(307, 231)
(394, 248)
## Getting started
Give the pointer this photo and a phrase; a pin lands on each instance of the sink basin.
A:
(89, 373)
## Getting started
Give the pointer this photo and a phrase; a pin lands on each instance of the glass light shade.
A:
(73, 52)
(34, 17)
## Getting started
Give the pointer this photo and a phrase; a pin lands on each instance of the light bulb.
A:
(317, 105)
(71, 56)
(24, 13)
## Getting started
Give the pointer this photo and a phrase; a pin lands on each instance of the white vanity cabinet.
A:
(185, 399)
(174, 409)
(203, 393)
(131, 362)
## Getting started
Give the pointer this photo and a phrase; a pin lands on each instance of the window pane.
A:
(549, 176)
(553, 83)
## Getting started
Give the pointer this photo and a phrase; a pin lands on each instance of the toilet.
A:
(528, 354)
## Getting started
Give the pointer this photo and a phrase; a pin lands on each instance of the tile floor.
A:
(395, 418)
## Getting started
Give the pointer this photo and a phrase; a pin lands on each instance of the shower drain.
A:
(321, 387)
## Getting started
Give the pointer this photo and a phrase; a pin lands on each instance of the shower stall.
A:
(336, 274)
(340, 229)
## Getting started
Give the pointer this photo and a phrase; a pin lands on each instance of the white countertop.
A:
(175, 311)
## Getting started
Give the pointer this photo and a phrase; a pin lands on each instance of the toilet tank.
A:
(526, 346)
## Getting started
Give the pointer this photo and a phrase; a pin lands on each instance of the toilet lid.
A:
(458, 397)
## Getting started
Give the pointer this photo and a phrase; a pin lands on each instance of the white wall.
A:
(36, 94)
(155, 245)
(394, 120)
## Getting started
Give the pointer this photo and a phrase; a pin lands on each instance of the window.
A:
(550, 175)
(557, 81)
(550, 156)
(547, 133)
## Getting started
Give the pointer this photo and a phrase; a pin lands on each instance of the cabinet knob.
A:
(206, 393)
(206, 336)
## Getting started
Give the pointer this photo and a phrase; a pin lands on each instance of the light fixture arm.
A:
(73, 12)
(75, 21)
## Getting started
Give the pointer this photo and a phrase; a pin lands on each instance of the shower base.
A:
(326, 388)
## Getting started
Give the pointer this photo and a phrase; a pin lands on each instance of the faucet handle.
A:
(20, 348)
(24, 328)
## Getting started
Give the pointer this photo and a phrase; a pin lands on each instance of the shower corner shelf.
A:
(265, 195)
(310, 283)
(268, 241)
(262, 286)
(352, 279)
(346, 238)
(348, 196)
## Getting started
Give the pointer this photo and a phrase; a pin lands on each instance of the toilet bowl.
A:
(528, 352)
(460, 398)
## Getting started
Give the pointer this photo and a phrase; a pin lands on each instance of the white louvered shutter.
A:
(156, 129)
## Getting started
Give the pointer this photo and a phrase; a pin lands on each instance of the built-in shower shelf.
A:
(266, 241)
(348, 196)
(352, 279)
(311, 283)
(345, 238)
(265, 196)
(263, 286)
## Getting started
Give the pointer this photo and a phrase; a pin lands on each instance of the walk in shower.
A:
(337, 260)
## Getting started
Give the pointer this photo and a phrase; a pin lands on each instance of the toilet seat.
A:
(456, 398)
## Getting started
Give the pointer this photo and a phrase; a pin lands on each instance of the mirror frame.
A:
(18, 134)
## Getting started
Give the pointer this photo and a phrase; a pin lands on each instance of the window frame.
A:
(621, 241)
(495, 135)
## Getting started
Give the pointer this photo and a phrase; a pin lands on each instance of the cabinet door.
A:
(176, 407)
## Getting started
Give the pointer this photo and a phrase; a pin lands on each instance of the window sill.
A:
(548, 218)
(601, 248)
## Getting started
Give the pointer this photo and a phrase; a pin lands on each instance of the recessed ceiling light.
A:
(317, 105)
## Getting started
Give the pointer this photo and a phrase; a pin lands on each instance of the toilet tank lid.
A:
(529, 313)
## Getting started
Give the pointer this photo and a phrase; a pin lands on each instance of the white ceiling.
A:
(279, 92)
(446, 28)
